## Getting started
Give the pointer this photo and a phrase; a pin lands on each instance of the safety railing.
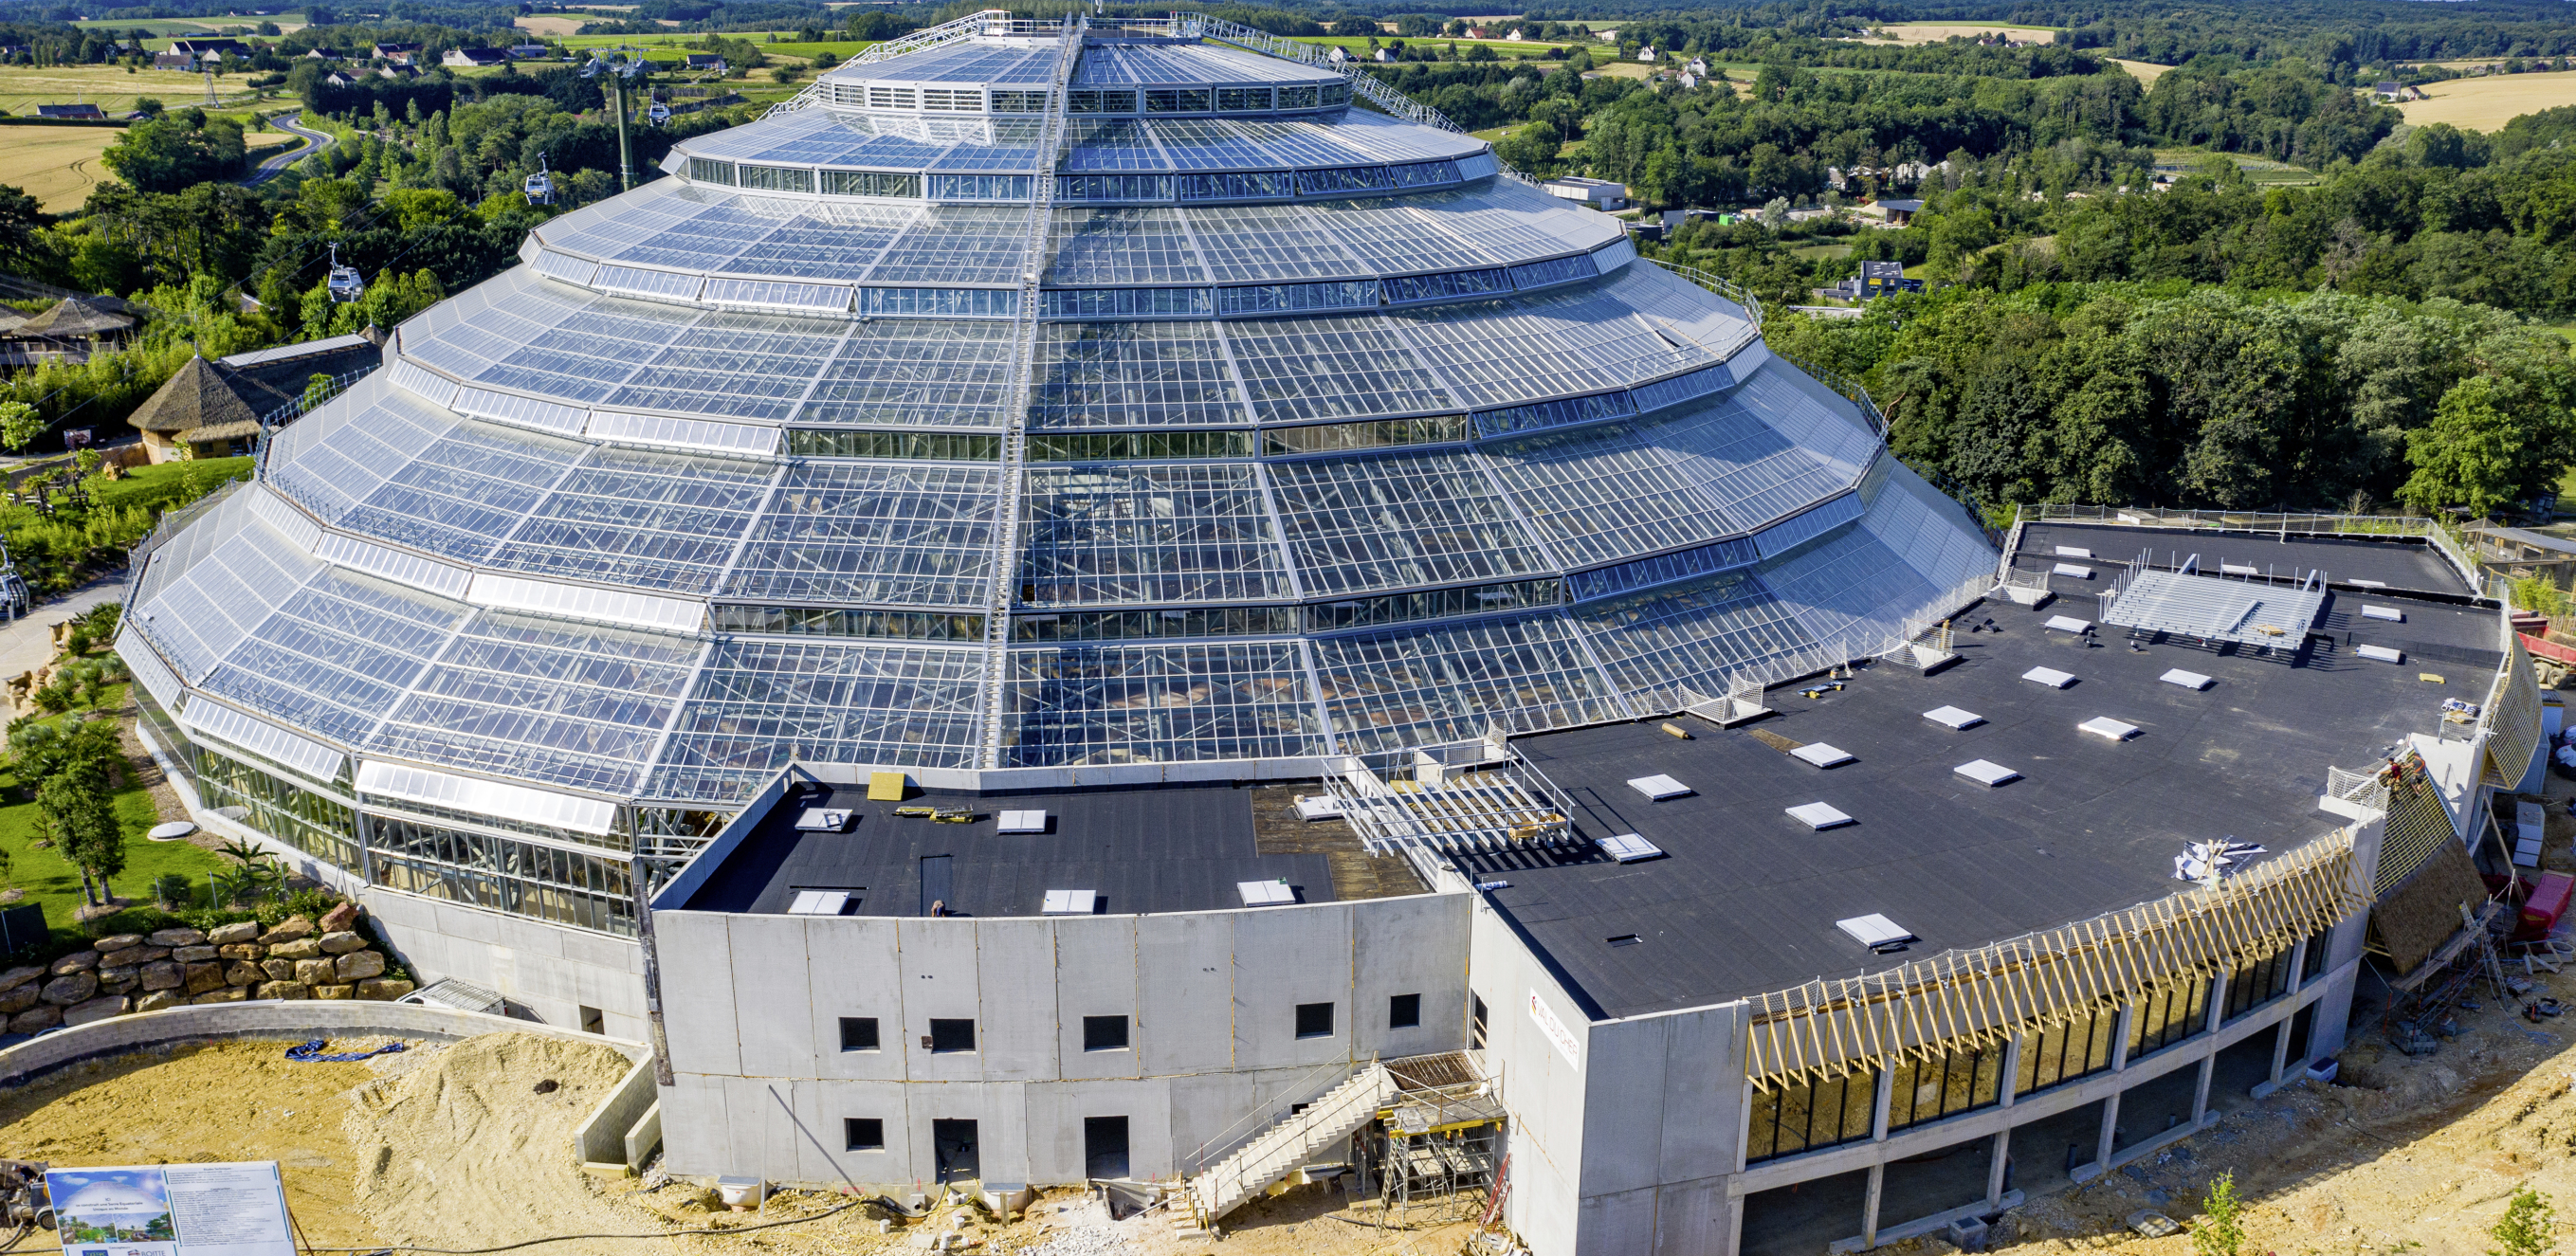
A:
(2436, 532)
(1052, 138)
(1727, 288)
(989, 21)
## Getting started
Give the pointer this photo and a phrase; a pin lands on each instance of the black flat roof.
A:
(1747, 898)
(2396, 562)
(1169, 848)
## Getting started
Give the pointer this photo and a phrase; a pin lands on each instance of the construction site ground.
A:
(455, 1145)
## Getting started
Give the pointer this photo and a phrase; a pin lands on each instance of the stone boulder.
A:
(122, 974)
(71, 988)
(241, 951)
(358, 965)
(334, 992)
(342, 943)
(158, 1000)
(117, 942)
(201, 978)
(339, 919)
(287, 930)
(36, 1019)
(236, 932)
(383, 989)
(77, 961)
(97, 1009)
(243, 973)
(164, 975)
(177, 937)
(283, 990)
(300, 948)
(278, 969)
(192, 954)
(127, 957)
(20, 976)
(229, 994)
(314, 972)
(17, 999)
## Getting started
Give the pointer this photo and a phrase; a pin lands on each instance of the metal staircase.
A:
(1291, 1144)
(1052, 140)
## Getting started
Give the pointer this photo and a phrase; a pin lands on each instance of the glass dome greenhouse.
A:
(1029, 397)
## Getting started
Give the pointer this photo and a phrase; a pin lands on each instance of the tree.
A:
(2526, 1229)
(2224, 1232)
(74, 807)
(177, 151)
(21, 217)
(20, 425)
(2472, 453)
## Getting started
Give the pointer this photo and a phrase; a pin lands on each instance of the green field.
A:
(2257, 170)
(1358, 44)
(112, 88)
(50, 881)
(168, 26)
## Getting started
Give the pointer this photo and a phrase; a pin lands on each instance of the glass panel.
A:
(1147, 534)
(902, 372)
(906, 534)
(1848, 588)
(1132, 375)
(2062, 1053)
(1496, 352)
(1391, 691)
(337, 655)
(1327, 438)
(828, 241)
(299, 817)
(657, 521)
(2256, 982)
(1331, 368)
(1269, 242)
(740, 366)
(2164, 1017)
(1791, 1119)
(1196, 621)
(504, 874)
(1396, 520)
(1928, 1090)
(834, 621)
(544, 701)
(1120, 246)
(1152, 704)
(335, 460)
(958, 244)
(1657, 643)
(1398, 608)
(759, 704)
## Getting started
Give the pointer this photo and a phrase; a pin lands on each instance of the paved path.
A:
(29, 643)
(314, 142)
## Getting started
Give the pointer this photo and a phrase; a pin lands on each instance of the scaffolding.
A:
(1434, 1153)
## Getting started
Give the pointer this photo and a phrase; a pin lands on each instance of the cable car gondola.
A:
(345, 285)
(658, 114)
(540, 186)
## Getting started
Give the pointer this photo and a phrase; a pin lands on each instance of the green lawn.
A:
(160, 484)
(1821, 252)
(52, 882)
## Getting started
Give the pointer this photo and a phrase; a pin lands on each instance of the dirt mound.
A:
(463, 1150)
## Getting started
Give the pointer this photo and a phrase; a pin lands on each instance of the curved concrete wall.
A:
(281, 1020)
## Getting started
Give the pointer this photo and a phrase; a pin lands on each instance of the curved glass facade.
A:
(851, 443)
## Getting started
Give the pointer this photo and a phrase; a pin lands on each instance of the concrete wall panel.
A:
(1621, 1224)
(1185, 992)
(1095, 975)
(1410, 946)
(1691, 1217)
(847, 959)
(1284, 957)
(895, 1167)
(936, 963)
(772, 995)
(697, 981)
(1623, 1107)
(1703, 1093)
(1015, 969)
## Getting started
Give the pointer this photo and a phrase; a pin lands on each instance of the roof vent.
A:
(1817, 815)
(1070, 903)
(2069, 623)
(1660, 787)
(2077, 570)
(2105, 726)
(2367, 584)
(819, 903)
(1265, 893)
(824, 820)
(1877, 932)
(1822, 755)
(2050, 677)
(2380, 653)
(1953, 717)
(1630, 848)
(2188, 680)
(1023, 822)
(2073, 551)
(2389, 613)
(1625, 939)
(1986, 772)
(887, 786)
(1313, 807)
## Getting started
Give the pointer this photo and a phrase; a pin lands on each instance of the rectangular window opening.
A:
(1314, 1020)
(593, 1022)
(863, 1133)
(858, 1033)
(1104, 1033)
(950, 1037)
(1404, 1011)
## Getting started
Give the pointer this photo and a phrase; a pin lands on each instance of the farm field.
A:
(1935, 32)
(57, 165)
(550, 23)
(109, 87)
(1358, 44)
(2146, 72)
(166, 27)
(2486, 104)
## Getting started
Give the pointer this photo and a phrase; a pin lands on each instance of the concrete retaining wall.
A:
(277, 1020)
(602, 1138)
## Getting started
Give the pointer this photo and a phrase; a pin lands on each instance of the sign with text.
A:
(236, 1209)
(1564, 1040)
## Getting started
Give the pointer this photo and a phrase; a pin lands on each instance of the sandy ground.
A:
(455, 1145)
(2486, 104)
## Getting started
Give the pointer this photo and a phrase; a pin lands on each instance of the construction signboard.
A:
(236, 1209)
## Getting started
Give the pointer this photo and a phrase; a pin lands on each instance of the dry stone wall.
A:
(131, 972)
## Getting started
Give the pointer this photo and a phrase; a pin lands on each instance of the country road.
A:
(314, 142)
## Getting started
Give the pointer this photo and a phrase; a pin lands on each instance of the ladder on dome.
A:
(1052, 139)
